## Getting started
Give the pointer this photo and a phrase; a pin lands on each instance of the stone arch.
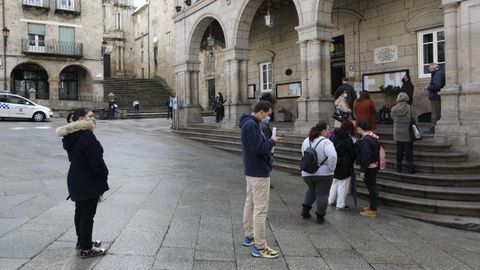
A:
(352, 13)
(75, 83)
(199, 28)
(424, 20)
(248, 11)
(37, 79)
(323, 12)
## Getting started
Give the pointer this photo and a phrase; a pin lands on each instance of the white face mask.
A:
(344, 95)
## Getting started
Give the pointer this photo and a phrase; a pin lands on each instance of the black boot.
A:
(306, 211)
(411, 168)
(320, 218)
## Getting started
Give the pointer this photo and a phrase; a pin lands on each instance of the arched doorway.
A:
(28, 76)
(73, 82)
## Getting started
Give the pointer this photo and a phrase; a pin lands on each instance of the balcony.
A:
(40, 4)
(52, 48)
(68, 7)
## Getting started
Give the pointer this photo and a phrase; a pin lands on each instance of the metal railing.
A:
(68, 5)
(37, 3)
(52, 47)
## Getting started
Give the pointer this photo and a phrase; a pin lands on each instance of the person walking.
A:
(320, 182)
(437, 82)
(369, 160)
(257, 164)
(136, 108)
(345, 149)
(342, 105)
(364, 109)
(87, 176)
(169, 105)
(402, 115)
(407, 87)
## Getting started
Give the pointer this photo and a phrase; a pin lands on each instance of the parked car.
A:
(15, 106)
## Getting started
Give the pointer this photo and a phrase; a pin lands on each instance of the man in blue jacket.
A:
(437, 82)
(257, 164)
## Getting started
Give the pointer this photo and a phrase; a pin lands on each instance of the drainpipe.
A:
(4, 49)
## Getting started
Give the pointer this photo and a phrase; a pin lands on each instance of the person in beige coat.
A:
(341, 104)
(402, 113)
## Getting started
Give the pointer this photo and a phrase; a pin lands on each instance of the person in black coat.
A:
(407, 87)
(345, 158)
(87, 176)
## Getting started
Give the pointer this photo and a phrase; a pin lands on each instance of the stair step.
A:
(446, 207)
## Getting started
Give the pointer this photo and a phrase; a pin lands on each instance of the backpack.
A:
(381, 156)
(309, 162)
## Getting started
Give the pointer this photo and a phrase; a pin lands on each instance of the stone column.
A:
(326, 69)
(243, 91)
(53, 89)
(188, 89)
(188, 111)
(315, 69)
(235, 81)
(451, 92)
(194, 85)
(302, 101)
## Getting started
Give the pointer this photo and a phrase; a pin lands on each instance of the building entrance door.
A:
(106, 66)
(211, 92)
(337, 55)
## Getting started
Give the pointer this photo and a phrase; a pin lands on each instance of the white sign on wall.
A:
(384, 55)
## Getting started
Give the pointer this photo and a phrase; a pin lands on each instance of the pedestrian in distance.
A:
(219, 107)
(364, 109)
(319, 182)
(112, 107)
(345, 148)
(87, 176)
(403, 115)
(437, 82)
(351, 94)
(257, 164)
(136, 108)
(169, 105)
(369, 161)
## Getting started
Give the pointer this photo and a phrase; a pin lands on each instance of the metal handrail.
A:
(68, 5)
(53, 47)
(37, 3)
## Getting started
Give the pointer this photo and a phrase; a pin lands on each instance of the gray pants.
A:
(318, 190)
(436, 106)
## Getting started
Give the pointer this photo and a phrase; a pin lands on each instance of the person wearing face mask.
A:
(87, 176)
(351, 94)
(407, 87)
(342, 105)
(257, 164)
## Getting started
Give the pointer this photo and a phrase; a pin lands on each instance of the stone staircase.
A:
(151, 94)
(445, 190)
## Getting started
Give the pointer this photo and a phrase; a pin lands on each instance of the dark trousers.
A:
(318, 190)
(170, 113)
(137, 112)
(219, 114)
(407, 149)
(370, 180)
(111, 114)
(84, 213)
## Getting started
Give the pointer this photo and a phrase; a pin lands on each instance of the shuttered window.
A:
(36, 29)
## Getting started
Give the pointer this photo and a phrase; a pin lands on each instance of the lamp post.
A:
(6, 33)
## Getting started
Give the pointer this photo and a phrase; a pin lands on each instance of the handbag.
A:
(340, 115)
(415, 133)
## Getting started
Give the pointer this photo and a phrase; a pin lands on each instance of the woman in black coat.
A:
(345, 158)
(87, 176)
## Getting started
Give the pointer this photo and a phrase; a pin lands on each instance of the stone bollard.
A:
(32, 94)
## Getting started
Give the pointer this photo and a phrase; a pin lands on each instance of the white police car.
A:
(15, 106)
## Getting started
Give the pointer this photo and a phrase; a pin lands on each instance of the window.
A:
(155, 55)
(431, 49)
(141, 44)
(66, 39)
(266, 76)
(66, 4)
(36, 37)
(141, 57)
(104, 12)
(118, 21)
(168, 41)
(29, 76)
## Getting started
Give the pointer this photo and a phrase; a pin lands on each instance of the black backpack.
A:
(309, 162)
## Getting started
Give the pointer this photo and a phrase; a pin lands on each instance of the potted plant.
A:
(188, 2)
(178, 8)
(390, 94)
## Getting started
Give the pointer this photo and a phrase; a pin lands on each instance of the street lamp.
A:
(6, 33)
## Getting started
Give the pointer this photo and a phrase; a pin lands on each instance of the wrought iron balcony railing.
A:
(36, 3)
(52, 47)
(68, 6)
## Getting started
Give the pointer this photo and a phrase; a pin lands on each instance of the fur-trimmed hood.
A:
(74, 127)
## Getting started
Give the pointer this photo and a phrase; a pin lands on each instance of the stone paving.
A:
(177, 204)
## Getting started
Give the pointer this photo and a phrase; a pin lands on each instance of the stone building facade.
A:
(312, 44)
(55, 48)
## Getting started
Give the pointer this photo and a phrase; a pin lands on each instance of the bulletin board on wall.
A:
(251, 91)
(289, 90)
(371, 82)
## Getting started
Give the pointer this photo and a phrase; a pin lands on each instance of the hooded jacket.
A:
(402, 113)
(256, 149)
(345, 154)
(368, 151)
(87, 175)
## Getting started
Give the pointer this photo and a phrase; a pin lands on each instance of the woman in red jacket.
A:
(364, 109)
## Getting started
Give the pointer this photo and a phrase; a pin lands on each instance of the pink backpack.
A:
(383, 158)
